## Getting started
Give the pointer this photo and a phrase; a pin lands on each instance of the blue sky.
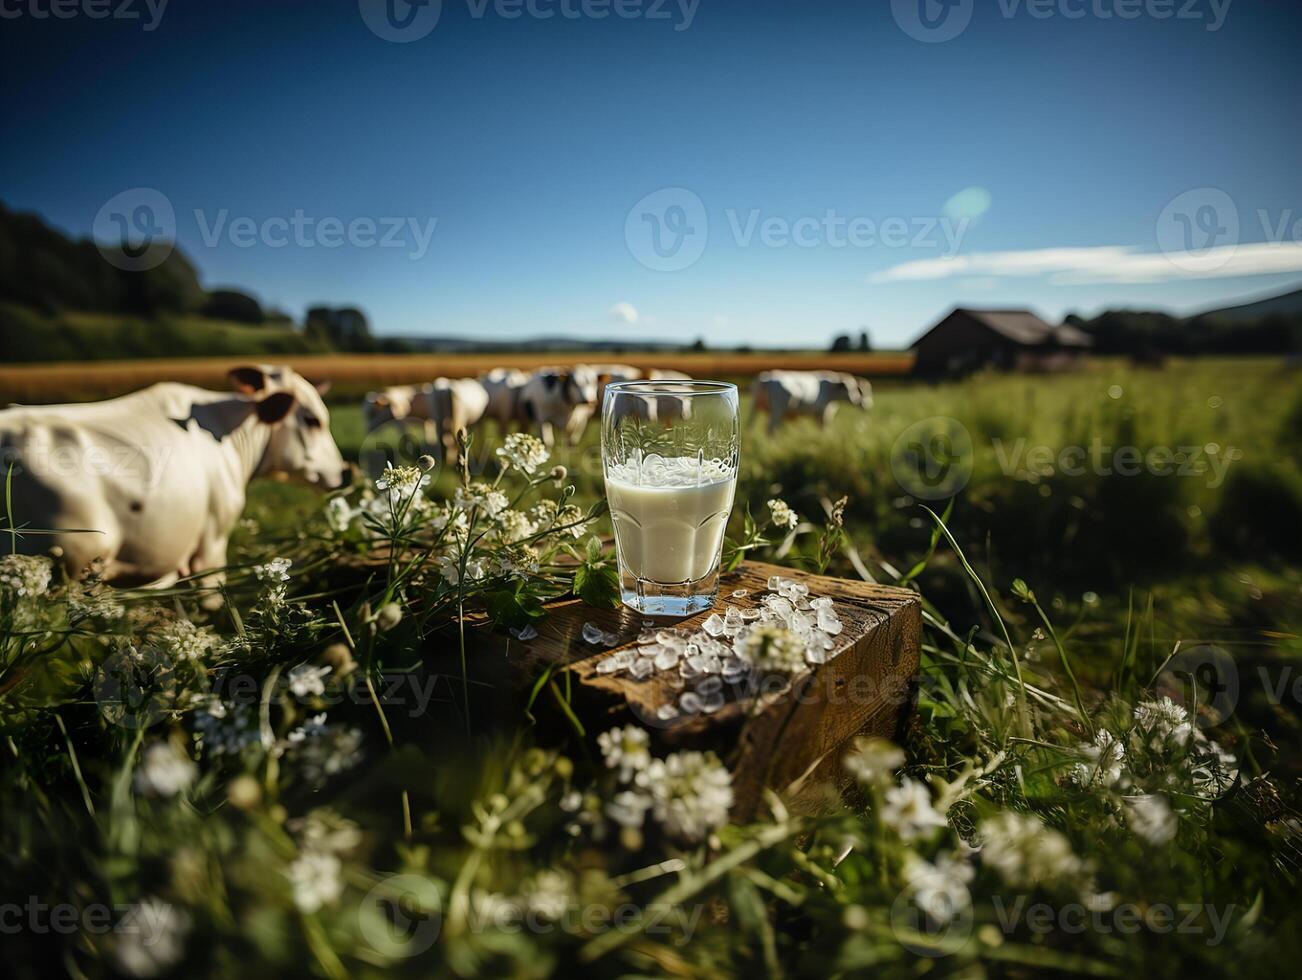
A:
(1087, 162)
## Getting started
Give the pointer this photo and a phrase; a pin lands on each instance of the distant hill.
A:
(555, 344)
(1287, 304)
(1272, 325)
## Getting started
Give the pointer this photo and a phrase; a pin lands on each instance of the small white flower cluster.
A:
(164, 770)
(26, 576)
(150, 940)
(316, 875)
(523, 451)
(276, 570)
(907, 810)
(183, 641)
(401, 482)
(782, 515)
(307, 681)
(688, 793)
(92, 601)
(547, 514)
(223, 728)
(1026, 853)
(788, 631)
(322, 750)
(488, 499)
(316, 878)
(873, 761)
(1162, 751)
(939, 888)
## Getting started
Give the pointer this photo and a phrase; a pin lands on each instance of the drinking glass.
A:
(669, 450)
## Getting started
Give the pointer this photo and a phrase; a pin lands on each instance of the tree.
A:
(841, 343)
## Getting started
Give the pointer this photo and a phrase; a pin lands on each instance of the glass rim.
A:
(679, 387)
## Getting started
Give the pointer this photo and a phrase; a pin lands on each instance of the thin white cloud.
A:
(1107, 264)
(625, 312)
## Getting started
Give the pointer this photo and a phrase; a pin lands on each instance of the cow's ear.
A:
(275, 407)
(247, 380)
(323, 388)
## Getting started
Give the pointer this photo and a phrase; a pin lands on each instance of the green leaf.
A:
(513, 605)
(597, 585)
(594, 550)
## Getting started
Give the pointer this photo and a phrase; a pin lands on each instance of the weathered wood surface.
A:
(772, 731)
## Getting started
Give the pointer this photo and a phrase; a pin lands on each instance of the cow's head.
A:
(582, 386)
(385, 406)
(301, 446)
(847, 388)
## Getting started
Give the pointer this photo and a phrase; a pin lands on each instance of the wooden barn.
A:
(968, 340)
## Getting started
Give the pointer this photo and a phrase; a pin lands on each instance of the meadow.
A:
(1066, 800)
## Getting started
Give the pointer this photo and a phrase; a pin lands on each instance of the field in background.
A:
(353, 374)
(1208, 553)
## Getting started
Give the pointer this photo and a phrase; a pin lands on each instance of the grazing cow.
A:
(504, 387)
(670, 407)
(560, 399)
(398, 403)
(452, 404)
(149, 486)
(787, 394)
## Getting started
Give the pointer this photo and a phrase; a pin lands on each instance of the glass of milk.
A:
(669, 451)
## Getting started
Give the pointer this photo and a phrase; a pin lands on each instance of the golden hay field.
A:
(353, 373)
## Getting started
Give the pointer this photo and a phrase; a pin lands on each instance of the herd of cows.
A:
(558, 402)
(145, 489)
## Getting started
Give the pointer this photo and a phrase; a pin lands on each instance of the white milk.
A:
(669, 515)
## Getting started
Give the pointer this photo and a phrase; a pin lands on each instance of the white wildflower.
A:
(513, 525)
(225, 729)
(401, 482)
(1162, 723)
(1151, 818)
(184, 641)
(339, 514)
(940, 889)
(547, 895)
(691, 794)
(150, 939)
(322, 751)
(87, 601)
(782, 515)
(316, 880)
(628, 808)
(1104, 761)
(907, 810)
(164, 771)
(450, 568)
(771, 649)
(488, 499)
(626, 749)
(27, 576)
(524, 452)
(873, 761)
(323, 830)
(306, 681)
(276, 570)
(519, 561)
(1214, 770)
(1025, 852)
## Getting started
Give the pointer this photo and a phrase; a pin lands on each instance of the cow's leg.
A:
(210, 558)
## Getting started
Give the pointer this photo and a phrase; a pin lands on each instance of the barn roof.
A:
(1022, 327)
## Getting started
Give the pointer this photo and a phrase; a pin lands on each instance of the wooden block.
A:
(776, 732)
